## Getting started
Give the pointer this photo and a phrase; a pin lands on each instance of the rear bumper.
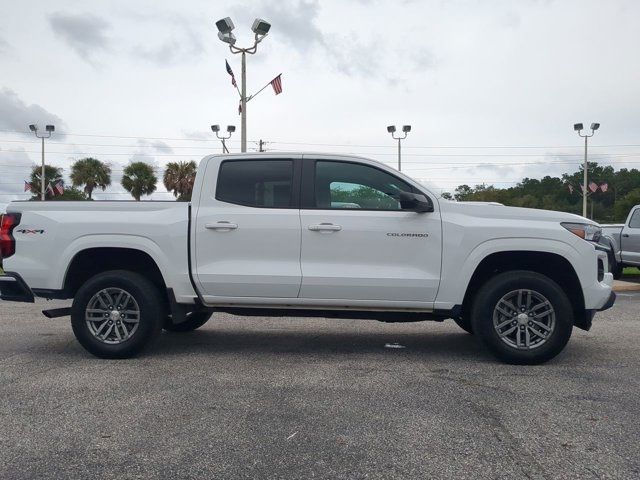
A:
(14, 289)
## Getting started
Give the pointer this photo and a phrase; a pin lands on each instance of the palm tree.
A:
(139, 179)
(52, 175)
(179, 178)
(91, 173)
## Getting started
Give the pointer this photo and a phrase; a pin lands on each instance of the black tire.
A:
(614, 267)
(464, 322)
(150, 306)
(503, 284)
(194, 320)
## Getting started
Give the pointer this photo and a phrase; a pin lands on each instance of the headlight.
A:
(586, 231)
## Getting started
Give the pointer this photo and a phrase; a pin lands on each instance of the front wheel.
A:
(116, 314)
(614, 267)
(522, 317)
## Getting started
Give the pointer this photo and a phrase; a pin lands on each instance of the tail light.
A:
(7, 242)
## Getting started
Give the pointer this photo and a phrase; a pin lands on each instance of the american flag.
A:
(230, 72)
(276, 83)
(593, 186)
(51, 190)
(604, 187)
(59, 187)
(27, 186)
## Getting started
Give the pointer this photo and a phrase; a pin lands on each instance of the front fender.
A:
(457, 270)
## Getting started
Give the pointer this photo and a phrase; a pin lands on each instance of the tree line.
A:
(565, 193)
(90, 174)
(551, 193)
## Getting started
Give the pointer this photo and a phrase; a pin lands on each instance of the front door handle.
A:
(222, 225)
(325, 227)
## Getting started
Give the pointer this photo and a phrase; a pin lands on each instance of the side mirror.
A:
(415, 202)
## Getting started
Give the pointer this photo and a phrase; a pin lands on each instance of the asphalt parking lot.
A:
(313, 398)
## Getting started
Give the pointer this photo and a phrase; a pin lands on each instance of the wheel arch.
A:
(552, 265)
(91, 261)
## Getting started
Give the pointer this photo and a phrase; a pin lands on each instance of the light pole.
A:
(260, 28)
(578, 127)
(230, 129)
(49, 129)
(392, 130)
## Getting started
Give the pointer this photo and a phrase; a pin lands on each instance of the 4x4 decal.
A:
(27, 231)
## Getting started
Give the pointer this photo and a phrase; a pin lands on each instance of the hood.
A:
(496, 210)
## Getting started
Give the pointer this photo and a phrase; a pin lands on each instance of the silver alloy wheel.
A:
(112, 315)
(524, 319)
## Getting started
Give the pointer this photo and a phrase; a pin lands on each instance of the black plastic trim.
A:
(610, 302)
(51, 294)
(15, 291)
(57, 312)
(389, 317)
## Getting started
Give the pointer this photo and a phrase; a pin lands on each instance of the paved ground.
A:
(297, 398)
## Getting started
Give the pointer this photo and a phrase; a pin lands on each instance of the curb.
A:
(622, 286)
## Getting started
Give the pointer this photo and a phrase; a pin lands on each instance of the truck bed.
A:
(52, 233)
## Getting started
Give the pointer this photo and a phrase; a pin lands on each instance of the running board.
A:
(57, 312)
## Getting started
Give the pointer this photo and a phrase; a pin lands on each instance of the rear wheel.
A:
(522, 317)
(116, 314)
(194, 320)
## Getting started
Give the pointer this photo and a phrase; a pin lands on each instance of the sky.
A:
(491, 88)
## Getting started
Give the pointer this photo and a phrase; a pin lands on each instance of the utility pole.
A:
(578, 127)
(49, 129)
(405, 129)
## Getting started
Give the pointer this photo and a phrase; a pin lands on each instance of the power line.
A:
(422, 155)
(328, 144)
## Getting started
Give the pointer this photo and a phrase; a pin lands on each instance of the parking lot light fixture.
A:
(49, 129)
(392, 130)
(578, 127)
(230, 129)
(260, 29)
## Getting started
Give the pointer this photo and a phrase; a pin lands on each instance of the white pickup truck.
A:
(307, 235)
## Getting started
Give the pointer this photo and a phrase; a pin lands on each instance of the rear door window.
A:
(256, 183)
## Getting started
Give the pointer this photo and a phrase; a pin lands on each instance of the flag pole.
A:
(268, 83)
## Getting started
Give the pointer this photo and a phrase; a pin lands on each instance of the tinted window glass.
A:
(351, 185)
(256, 183)
(635, 219)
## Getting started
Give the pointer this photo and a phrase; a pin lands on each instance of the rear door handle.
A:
(325, 227)
(222, 225)
(625, 235)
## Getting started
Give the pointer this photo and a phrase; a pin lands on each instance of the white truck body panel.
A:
(273, 259)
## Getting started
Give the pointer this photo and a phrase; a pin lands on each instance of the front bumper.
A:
(14, 289)
(610, 302)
